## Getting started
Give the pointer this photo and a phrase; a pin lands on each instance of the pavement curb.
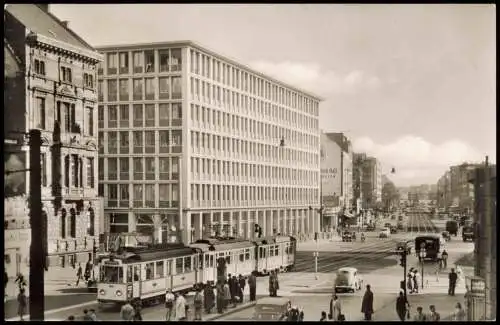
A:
(231, 311)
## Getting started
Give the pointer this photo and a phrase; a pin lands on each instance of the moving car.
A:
(393, 230)
(384, 233)
(452, 227)
(388, 225)
(446, 235)
(348, 280)
(405, 243)
(468, 233)
(370, 227)
(433, 244)
(270, 309)
(348, 235)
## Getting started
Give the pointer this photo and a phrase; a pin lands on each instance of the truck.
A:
(468, 233)
(452, 227)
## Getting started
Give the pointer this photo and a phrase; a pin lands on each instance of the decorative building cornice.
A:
(37, 40)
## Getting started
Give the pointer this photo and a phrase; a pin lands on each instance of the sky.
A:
(413, 85)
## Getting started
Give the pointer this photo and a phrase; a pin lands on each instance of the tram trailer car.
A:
(146, 273)
(275, 252)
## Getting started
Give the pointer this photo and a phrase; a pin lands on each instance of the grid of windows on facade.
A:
(139, 168)
(139, 115)
(142, 61)
(143, 195)
(154, 88)
(140, 142)
(144, 223)
(79, 171)
(208, 195)
(232, 81)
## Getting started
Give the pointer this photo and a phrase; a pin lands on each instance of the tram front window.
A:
(111, 274)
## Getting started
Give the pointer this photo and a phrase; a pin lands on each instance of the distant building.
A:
(51, 86)
(454, 192)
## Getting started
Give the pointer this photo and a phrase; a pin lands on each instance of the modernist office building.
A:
(190, 139)
(51, 86)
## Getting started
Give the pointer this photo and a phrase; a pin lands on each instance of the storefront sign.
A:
(330, 167)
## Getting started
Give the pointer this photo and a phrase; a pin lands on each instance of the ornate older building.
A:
(54, 91)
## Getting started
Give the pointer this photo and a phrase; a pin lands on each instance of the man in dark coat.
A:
(208, 298)
(452, 277)
(272, 289)
(402, 306)
(252, 285)
(220, 297)
(235, 290)
(242, 283)
(231, 286)
(367, 303)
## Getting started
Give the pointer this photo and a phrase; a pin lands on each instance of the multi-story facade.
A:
(454, 190)
(357, 180)
(54, 91)
(371, 183)
(190, 139)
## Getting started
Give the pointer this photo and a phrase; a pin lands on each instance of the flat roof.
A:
(155, 45)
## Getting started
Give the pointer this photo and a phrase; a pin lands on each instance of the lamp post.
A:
(422, 254)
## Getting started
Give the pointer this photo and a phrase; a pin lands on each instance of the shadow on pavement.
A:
(76, 291)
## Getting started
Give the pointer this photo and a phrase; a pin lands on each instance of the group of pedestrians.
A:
(84, 274)
(413, 280)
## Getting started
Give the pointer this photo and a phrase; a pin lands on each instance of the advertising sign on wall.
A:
(330, 171)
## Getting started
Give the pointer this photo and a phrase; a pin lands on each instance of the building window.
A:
(74, 170)
(65, 115)
(124, 116)
(138, 142)
(40, 67)
(124, 142)
(164, 59)
(138, 198)
(138, 62)
(164, 141)
(138, 169)
(112, 142)
(176, 88)
(91, 221)
(176, 141)
(100, 140)
(176, 114)
(123, 57)
(112, 63)
(150, 88)
(90, 120)
(40, 110)
(163, 110)
(149, 139)
(66, 74)
(138, 116)
(138, 93)
(43, 163)
(124, 96)
(149, 112)
(112, 90)
(175, 196)
(150, 168)
(112, 169)
(175, 168)
(164, 88)
(88, 80)
(90, 173)
(124, 169)
(149, 57)
(124, 196)
(164, 195)
(176, 60)
(112, 195)
(149, 191)
(164, 168)
(100, 90)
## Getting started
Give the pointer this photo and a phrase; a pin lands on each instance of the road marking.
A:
(58, 310)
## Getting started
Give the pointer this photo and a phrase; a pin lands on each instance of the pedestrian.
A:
(434, 316)
(420, 316)
(459, 314)
(208, 298)
(252, 286)
(367, 303)
(180, 308)
(402, 306)
(323, 317)
(301, 314)
(88, 269)
(235, 290)
(293, 314)
(444, 258)
(71, 318)
(79, 274)
(242, 283)
(452, 277)
(169, 305)
(227, 295)
(276, 282)
(93, 315)
(409, 282)
(21, 303)
(137, 310)
(335, 308)
(220, 297)
(21, 281)
(127, 312)
(416, 277)
(5, 280)
(198, 305)
(271, 284)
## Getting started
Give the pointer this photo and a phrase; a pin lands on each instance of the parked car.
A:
(348, 235)
(370, 228)
(393, 230)
(388, 225)
(348, 280)
(385, 233)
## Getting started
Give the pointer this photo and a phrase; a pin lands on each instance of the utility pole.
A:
(37, 254)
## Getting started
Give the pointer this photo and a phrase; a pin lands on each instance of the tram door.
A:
(136, 281)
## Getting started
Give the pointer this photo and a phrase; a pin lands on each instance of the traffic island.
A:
(229, 311)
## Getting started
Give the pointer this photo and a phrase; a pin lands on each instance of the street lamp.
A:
(422, 255)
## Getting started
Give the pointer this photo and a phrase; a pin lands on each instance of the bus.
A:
(433, 243)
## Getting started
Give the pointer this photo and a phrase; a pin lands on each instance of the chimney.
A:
(65, 23)
(44, 7)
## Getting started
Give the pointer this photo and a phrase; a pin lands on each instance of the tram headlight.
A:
(118, 293)
(102, 292)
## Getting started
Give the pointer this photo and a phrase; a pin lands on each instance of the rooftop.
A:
(187, 43)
